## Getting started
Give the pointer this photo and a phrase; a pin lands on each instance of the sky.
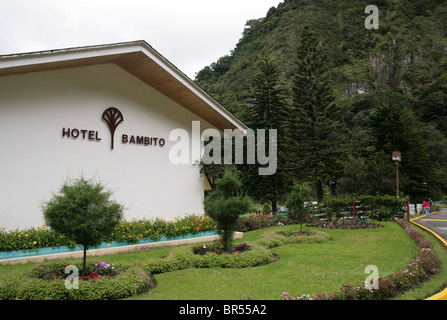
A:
(191, 34)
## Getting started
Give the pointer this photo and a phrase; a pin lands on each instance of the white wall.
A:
(35, 159)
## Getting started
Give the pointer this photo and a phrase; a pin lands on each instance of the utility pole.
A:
(396, 156)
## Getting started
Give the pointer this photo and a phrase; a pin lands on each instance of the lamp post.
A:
(396, 156)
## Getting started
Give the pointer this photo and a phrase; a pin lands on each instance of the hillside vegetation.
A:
(389, 85)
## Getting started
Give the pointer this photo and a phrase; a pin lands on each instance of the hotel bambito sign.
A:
(113, 118)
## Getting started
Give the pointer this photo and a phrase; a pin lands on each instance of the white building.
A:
(54, 107)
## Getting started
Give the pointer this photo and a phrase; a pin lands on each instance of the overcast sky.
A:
(191, 34)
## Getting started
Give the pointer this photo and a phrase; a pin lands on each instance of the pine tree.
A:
(314, 155)
(267, 110)
(395, 128)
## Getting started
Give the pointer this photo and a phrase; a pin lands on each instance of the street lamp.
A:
(396, 156)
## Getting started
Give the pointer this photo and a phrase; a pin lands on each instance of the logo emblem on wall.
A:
(113, 117)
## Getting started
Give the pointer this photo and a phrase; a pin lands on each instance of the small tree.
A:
(224, 205)
(266, 209)
(83, 212)
(295, 206)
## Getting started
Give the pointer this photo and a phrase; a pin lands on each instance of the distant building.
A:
(104, 111)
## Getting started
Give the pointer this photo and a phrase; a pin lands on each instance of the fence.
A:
(361, 208)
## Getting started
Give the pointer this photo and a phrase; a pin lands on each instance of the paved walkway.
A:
(437, 223)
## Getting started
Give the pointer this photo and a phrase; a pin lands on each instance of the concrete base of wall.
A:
(124, 249)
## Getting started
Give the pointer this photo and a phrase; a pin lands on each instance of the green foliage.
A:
(224, 205)
(131, 231)
(32, 238)
(314, 117)
(251, 222)
(372, 207)
(46, 281)
(83, 212)
(405, 58)
(275, 238)
(266, 209)
(295, 205)
(417, 271)
(267, 109)
(183, 258)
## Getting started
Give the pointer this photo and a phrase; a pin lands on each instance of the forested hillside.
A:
(389, 89)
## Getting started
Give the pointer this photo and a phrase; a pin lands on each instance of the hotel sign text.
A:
(113, 117)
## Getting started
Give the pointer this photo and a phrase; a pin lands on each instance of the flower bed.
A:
(132, 231)
(46, 281)
(217, 248)
(343, 224)
(275, 238)
(185, 257)
(251, 222)
(418, 270)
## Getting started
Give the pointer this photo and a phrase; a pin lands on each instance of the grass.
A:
(301, 269)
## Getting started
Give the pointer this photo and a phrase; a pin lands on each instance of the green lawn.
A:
(301, 268)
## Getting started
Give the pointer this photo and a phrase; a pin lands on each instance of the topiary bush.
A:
(225, 205)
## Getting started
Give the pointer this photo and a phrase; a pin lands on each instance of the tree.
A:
(224, 205)
(267, 110)
(83, 212)
(295, 205)
(314, 155)
(395, 128)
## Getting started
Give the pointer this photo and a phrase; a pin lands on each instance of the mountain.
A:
(402, 62)
(407, 52)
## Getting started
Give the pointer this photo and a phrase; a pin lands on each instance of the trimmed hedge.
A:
(46, 281)
(184, 257)
(275, 238)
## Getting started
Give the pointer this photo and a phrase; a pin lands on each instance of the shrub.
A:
(225, 206)
(266, 209)
(251, 222)
(185, 257)
(374, 207)
(83, 211)
(217, 247)
(295, 206)
(46, 281)
(275, 238)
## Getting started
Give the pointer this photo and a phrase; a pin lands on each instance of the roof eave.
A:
(136, 57)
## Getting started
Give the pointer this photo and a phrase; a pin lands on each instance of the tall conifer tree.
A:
(267, 110)
(314, 155)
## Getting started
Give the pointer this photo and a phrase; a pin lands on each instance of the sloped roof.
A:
(137, 58)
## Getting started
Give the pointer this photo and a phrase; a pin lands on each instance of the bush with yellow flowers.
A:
(131, 231)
